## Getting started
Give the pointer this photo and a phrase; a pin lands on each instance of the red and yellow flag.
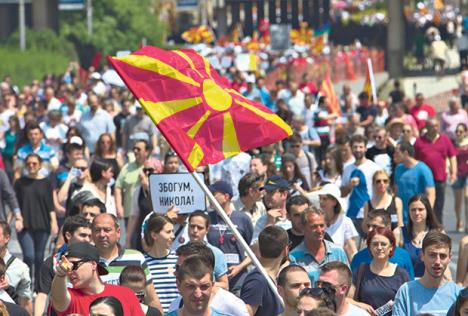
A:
(367, 84)
(302, 36)
(327, 90)
(203, 119)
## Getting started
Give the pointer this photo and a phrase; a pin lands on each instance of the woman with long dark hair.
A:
(292, 173)
(421, 220)
(101, 175)
(34, 194)
(106, 305)
(106, 150)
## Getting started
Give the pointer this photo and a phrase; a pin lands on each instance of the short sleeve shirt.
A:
(411, 181)
(301, 256)
(434, 154)
(80, 302)
(256, 292)
(127, 181)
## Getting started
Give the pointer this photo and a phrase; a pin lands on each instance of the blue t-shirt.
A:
(400, 257)
(302, 257)
(256, 292)
(220, 268)
(411, 182)
(359, 196)
(413, 299)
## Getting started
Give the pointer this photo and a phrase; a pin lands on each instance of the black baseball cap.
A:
(86, 251)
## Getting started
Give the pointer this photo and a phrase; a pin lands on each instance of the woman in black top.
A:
(34, 194)
(384, 200)
(377, 283)
(291, 172)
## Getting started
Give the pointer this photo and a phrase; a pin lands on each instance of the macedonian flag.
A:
(203, 119)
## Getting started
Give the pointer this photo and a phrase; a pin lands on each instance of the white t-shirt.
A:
(353, 310)
(368, 168)
(223, 301)
(342, 230)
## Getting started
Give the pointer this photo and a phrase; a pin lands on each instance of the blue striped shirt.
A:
(164, 281)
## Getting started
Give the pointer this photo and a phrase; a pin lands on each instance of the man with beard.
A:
(357, 180)
(431, 294)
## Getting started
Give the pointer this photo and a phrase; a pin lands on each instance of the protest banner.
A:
(179, 189)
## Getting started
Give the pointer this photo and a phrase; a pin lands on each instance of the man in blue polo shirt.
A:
(381, 219)
(315, 251)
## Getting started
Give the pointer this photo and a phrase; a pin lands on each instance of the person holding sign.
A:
(219, 235)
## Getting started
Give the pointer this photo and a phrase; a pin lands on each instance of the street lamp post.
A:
(22, 26)
(89, 16)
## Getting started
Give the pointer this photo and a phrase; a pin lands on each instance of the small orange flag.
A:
(327, 90)
(203, 119)
(367, 84)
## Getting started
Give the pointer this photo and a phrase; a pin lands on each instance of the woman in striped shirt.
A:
(161, 261)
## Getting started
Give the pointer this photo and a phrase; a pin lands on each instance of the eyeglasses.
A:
(381, 181)
(148, 170)
(375, 244)
(78, 264)
(140, 296)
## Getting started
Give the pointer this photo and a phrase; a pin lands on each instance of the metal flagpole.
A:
(372, 79)
(239, 237)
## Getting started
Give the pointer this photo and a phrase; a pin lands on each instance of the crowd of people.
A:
(345, 216)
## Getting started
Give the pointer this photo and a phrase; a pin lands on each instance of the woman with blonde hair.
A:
(383, 199)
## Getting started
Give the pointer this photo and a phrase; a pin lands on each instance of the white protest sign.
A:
(179, 189)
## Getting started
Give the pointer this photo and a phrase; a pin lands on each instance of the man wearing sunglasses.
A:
(128, 179)
(337, 275)
(80, 264)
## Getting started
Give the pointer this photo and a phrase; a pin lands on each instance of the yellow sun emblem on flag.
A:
(185, 71)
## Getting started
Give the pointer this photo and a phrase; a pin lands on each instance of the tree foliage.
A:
(117, 25)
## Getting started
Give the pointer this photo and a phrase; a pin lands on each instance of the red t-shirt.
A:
(80, 302)
(422, 113)
(435, 154)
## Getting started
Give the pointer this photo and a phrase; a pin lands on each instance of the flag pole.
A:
(236, 233)
(372, 79)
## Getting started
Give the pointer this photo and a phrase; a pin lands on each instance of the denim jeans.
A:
(33, 244)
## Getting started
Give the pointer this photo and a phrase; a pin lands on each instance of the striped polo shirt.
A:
(162, 271)
(127, 257)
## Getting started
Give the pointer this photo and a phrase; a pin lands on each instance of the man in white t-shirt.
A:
(337, 275)
(358, 184)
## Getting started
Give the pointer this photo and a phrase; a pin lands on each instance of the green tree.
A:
(117, 25)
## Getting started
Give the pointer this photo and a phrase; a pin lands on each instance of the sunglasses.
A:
(77, 264)
(82, 168)
(381, 181)
(312, 291)
(148, 170)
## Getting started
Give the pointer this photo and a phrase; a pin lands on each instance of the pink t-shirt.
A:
(449, 122)
(422, 113)
(435, 154)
